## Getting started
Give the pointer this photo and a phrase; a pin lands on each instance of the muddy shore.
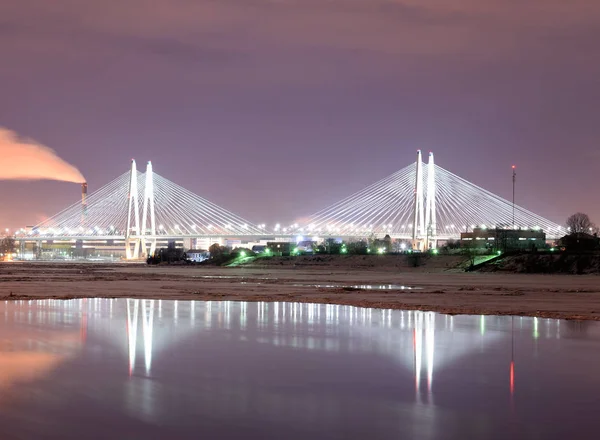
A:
(358, 283)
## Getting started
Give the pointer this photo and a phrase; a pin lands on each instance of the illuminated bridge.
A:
(421, 203)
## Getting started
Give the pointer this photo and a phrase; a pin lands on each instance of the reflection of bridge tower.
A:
(424, 328)
(133, 306)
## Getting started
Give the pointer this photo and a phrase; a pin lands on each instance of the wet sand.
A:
(434, 289)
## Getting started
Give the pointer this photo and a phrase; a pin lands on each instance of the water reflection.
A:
(290, 369)
(359, 286)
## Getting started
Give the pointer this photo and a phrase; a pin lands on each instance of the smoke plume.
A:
(24, 159)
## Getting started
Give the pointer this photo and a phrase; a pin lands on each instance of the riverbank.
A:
(426, 287)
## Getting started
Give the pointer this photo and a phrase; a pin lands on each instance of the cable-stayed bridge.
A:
(421, 202)
(424, 203)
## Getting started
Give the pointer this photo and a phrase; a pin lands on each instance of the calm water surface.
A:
(149, 369)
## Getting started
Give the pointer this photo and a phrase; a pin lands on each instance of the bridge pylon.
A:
(132, 233)
(418, 226)
(430, 214)
(148, 211)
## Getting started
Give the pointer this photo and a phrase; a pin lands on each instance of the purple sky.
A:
(275, 109)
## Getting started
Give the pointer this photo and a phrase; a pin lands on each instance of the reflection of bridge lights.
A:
(512, 377)
(243, 307)
(148, 326)
(227, 314)
(208, 314)
(482, 324)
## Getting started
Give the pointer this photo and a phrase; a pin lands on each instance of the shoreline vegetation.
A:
(437, 283)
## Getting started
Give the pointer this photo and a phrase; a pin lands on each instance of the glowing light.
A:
(482, 325)
(459, 202)
(512, 377)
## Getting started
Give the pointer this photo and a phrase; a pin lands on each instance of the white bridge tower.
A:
(149, 203)
(424, 218)
(140, 235)
(430, 220)
(418, 219)
(133, 231)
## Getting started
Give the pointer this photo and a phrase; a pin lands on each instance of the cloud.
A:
(24, 159)
(388, 26)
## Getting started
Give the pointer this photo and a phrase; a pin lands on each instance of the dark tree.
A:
(216, 250)
(387, 240)
(357, 247)
(580, 222)
(332, 246)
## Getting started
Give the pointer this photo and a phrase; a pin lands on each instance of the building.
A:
(306, 246)
(579, 242)
(281, 248)
(504, 239)
(197, 255)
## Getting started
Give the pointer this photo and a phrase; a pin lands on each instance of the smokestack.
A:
(83, 202)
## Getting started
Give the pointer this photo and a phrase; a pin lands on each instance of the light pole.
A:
(514, 178)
